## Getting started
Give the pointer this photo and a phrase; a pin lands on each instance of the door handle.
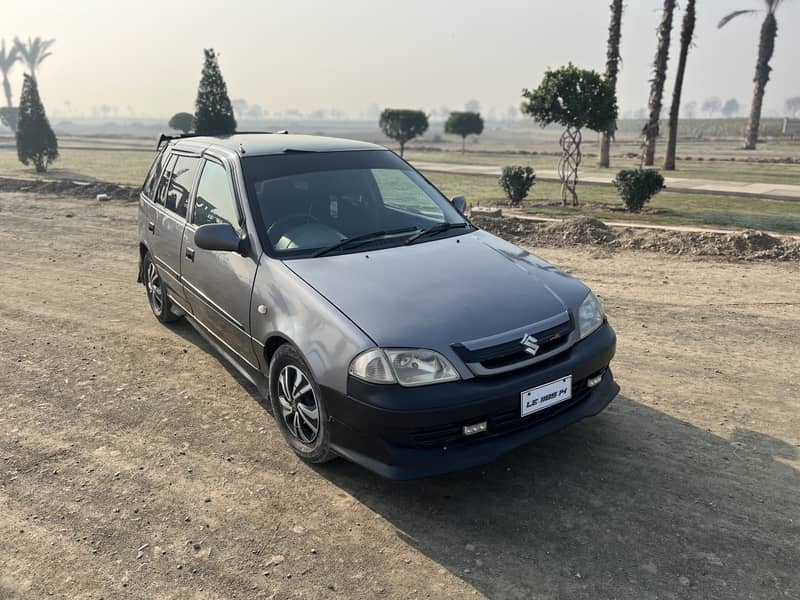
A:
(151, 227)
(190, 254)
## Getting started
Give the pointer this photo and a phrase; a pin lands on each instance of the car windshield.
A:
(307, 203)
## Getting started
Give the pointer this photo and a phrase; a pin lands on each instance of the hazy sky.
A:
(145, 56)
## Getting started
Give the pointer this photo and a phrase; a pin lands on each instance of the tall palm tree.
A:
(687, 32)
(650, 130)
(612, 68)
(7, 61)
(34, 52)
(766, 46)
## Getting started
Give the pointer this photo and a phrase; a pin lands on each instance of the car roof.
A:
(261, 144)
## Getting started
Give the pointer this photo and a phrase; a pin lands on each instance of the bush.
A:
(516, 182)
(36, 141)
(637, 186)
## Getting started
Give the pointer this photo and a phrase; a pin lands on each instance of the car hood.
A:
(437, 293)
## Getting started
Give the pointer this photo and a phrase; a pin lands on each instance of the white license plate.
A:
(541, 397)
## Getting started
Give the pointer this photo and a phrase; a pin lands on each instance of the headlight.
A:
(590, 315)
(406, 366)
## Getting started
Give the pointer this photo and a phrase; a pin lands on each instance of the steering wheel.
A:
(281, 226)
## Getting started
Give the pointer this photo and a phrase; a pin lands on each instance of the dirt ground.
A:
(134, 464)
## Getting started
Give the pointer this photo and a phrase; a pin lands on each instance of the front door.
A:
(218, 285)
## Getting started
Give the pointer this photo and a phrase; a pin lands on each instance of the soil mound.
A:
(66, 187)
(745, 245)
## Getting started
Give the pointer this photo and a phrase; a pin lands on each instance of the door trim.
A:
(211, 304)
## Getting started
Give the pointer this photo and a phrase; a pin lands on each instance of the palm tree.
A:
(657, 85)
(687, 32)
(34, 52)
(7, 62)
(612, 67)
(766, 46)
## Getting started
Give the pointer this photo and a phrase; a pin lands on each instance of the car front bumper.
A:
(408, 433)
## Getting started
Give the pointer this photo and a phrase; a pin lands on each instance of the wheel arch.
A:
(143, 249)
(271, 345)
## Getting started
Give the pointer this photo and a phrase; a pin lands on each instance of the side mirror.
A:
(459, 203)
(221, 237)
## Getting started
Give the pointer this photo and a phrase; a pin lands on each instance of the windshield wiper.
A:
(435, 229)
(363, 239)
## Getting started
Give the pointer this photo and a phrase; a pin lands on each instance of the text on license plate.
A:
(541, 397)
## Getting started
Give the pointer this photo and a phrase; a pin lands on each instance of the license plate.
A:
(539, 398)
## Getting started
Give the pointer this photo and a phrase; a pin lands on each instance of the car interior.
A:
(317, 209)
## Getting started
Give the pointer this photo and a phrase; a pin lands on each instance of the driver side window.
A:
(215, 202)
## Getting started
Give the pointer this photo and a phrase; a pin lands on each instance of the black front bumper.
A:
(407, 433)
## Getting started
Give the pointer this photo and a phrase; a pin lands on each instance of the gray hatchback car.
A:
(383, 326)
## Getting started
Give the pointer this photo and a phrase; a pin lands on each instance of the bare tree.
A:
(650, 130)
(792, 106)
(712, 106)
(687, 33)
(612, 68)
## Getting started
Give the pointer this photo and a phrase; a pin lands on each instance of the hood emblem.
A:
(530, 343)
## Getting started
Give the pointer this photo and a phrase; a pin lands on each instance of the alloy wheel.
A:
(154, 291)
(299, 408)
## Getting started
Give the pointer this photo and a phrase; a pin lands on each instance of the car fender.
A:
(285, 306)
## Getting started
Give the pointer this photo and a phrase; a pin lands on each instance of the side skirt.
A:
(246, 370)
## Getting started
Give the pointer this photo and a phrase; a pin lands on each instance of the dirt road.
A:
(134, 464)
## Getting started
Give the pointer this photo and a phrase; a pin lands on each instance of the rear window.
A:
(160, 192)
(153, 176)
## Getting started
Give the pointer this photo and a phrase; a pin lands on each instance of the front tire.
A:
(297, 405)
(156, 291)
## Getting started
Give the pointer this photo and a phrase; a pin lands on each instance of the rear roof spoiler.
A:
(168, 138)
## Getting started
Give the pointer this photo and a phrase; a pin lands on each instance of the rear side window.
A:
(181, 184)
(160, 193)
(149, 187)
(215, 202)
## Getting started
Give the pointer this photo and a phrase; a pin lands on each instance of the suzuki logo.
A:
(530, 343)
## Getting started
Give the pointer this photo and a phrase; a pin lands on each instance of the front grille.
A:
(510, 353)
(501, 423)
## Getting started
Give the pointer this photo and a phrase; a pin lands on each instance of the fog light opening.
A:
(593, 381)
(473, 429)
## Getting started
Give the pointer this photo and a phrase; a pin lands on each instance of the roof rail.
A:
(168, 138)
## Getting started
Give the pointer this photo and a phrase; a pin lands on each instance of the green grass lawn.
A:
(601, 201)
(119, 166)
(692, 169)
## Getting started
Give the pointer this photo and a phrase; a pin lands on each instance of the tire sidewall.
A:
(166, 315)
(319, 451)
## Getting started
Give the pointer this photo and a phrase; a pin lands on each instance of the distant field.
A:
(120, 166)
(130, 166)
(692, 169)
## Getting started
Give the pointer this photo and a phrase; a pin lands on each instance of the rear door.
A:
(171, 203)
(147, 211)
(218, 285)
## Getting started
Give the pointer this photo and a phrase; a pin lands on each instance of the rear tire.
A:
(297, 406)
(156, 291)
